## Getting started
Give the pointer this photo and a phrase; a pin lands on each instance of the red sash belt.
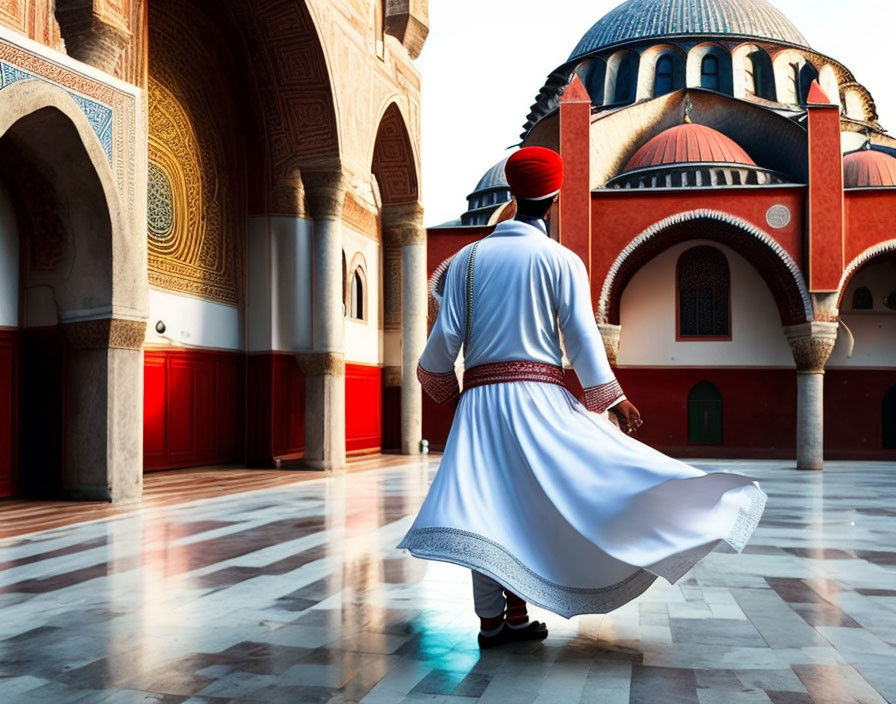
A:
(500, 372)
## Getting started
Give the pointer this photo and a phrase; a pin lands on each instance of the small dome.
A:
(493, 178)
(867, 168)
(689, 144)
(654, 19)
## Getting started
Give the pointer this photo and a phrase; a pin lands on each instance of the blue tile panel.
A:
(99, 116)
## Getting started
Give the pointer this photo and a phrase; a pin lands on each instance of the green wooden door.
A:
(704, 415)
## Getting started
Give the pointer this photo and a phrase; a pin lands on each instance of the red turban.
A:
(534, 173)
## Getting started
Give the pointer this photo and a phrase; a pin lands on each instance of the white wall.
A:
(9, 262)
(648, 319)
(363, 338)
(193, 322)
(874, 330)
(279, 285)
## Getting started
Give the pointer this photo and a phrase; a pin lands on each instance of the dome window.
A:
(709, 73)
(862, 299)
(664, 82)
(626, 79)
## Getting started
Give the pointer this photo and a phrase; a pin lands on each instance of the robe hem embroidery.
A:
(476, 552)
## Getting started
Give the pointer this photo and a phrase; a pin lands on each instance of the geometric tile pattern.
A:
(297, 594)
(99, 116)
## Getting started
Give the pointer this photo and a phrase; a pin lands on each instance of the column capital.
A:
(610, 334)
(321, 364)
(325, 190)
(108, 333)
(404, 222)
(811, 344)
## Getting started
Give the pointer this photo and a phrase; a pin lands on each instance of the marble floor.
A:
(296, 593)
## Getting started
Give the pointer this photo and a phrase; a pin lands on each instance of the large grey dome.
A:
(493, 178)
(650, 19)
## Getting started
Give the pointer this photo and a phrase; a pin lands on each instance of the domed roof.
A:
(688, 144)
(493, 178)
(648, 19)
(868, 167)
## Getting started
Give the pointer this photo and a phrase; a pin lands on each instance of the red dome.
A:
(688, 144)
(869, 168)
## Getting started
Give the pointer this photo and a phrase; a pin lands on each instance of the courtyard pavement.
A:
(297, 594)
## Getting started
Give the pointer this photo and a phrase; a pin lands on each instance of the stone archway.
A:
(394, 166)
(810, 340)
(777, 268)
(869, 256)
(95, 271)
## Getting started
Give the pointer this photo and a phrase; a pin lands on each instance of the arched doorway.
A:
(888, 420)
(403, 273)
(706, 297)
(704, 415)
(82, 297)
(861, 373)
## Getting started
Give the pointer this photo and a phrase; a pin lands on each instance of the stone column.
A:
(103, 455)
(324, 368)
(811, 344)
(94, 37)
(408, 220)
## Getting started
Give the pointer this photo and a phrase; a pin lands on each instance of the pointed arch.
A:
(394, 163)
(774, 264)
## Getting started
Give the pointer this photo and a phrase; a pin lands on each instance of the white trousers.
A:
(488, 596)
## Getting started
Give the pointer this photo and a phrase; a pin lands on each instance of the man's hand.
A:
(628, 416)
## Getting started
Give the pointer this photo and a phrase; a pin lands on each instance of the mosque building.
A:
(211, 241)
(731, 192)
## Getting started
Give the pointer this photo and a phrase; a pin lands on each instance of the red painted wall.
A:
(853, 420)
(276, 408)
(618, 216)
(192, 408)
(9, 471)
(442, 243)
(869, 219)
(758, 415)
(363, 408)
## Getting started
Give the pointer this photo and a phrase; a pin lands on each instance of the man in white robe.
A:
(541, 496)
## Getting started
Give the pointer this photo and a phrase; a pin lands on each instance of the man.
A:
(542, 496)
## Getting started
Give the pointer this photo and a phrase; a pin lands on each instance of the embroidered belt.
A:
(501, 372)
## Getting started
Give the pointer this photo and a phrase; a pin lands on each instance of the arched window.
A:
(626, 79)
(709, 72)
(704, 290)
(808, 73)
(862, 299)
(356, 297)
(704, 415)
(759, 75)
(889, 420)
(664, 81)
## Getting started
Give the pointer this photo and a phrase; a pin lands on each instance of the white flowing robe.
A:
(548, 498)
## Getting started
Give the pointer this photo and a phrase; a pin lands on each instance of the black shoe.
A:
(534, 630)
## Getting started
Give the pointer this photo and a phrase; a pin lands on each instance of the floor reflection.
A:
(297, 594)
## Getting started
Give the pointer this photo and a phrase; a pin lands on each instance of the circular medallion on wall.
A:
(778, 216)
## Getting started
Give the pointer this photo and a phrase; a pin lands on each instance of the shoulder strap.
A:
(468, 322)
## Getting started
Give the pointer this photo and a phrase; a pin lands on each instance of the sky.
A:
(485, 60)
